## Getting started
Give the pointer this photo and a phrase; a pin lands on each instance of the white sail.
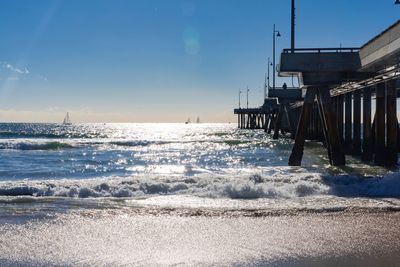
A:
(67, 120)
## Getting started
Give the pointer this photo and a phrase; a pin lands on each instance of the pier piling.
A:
(392, 124)
(367, 147)
(380, 125)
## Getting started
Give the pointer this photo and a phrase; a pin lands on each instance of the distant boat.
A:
(67, 120)
(198, 120)
(188, 121)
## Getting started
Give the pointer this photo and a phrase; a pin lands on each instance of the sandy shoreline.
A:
(118, 238)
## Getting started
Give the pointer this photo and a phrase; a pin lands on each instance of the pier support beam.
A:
(278, 122)
(380, 125)
(328, 119)
(272, 122)
(267, 118)
(357, 123)
(367, 147)
(391, 125)
(339, 116)
(290, 122)
(348, 123)
(398, 136)
(324, 128)
(298, 148)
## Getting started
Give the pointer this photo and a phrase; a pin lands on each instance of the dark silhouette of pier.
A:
(333, 105)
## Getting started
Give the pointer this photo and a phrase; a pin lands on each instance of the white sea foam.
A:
(276, 186)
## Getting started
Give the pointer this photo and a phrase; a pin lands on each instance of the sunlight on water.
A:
(213, 161)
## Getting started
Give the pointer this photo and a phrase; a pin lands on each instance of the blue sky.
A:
(158, 60)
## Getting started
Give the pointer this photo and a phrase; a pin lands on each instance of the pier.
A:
(347, 100)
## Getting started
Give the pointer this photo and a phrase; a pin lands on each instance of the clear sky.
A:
(158, 60)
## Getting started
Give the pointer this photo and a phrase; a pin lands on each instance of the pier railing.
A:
(322, 50)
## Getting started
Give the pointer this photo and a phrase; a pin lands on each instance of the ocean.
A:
(54, 177)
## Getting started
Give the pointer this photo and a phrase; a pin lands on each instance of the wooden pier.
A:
(347, 101)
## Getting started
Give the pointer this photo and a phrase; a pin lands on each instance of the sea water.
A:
(55, 167)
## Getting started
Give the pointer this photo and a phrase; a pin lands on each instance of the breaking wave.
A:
(36, 146)
(130, 143)
(56, 145)
(253, 187)
(41, 135)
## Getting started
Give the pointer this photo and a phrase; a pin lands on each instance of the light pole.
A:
(265, 87)
(266, 83)
(268, 78)
(248, 90)
(275, 33)
(293, 26)
(240, 92)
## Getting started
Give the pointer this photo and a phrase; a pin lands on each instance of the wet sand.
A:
(144, 238)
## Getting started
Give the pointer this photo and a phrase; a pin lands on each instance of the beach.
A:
(140, 237)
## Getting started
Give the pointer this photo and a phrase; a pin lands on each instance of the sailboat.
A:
(67, 120)
(188, 121)
(198, 120)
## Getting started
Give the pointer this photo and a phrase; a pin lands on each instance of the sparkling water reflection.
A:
(215, 161)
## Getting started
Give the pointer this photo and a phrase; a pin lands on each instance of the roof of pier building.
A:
(335, 66)
(383, 50)
(321, 66)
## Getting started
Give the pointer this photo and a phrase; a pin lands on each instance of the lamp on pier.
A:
(275, 33)
(248, 90)
(268, 76)
(240, 92)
